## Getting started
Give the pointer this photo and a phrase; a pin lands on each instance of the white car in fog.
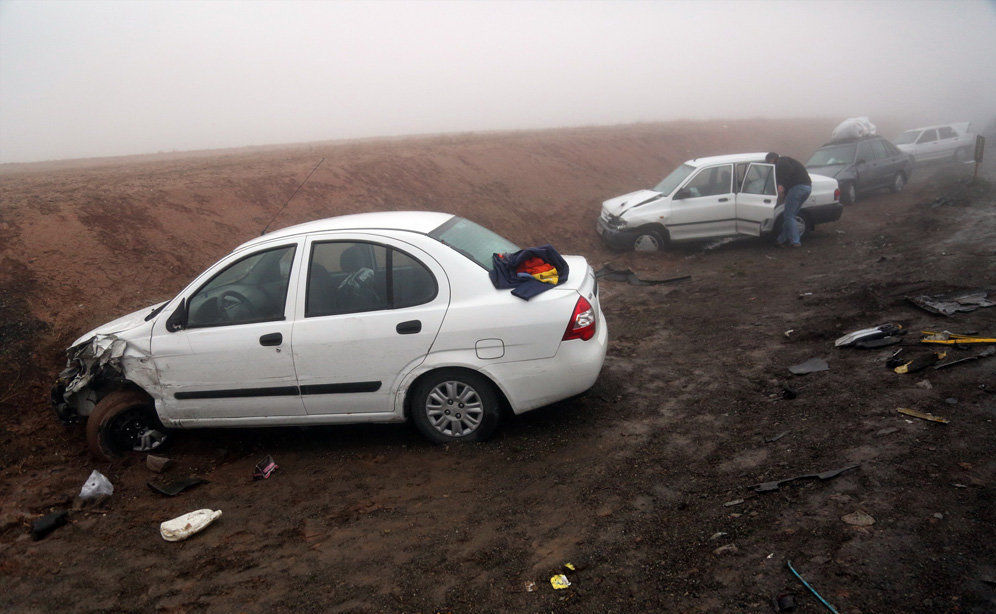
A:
(708, 198)
(377, 317)
(944, 142)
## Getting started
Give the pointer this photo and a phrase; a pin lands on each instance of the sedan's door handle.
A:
(271, 339)
(723, 200)
(409, 328)
(767, 201)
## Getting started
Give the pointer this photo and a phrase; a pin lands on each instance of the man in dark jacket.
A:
(794, 187)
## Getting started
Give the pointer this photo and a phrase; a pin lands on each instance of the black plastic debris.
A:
(917, 363)
(986, 353)
(813, 365)
(826, 475)
(784, 602)
(953, 302)
(264, 468)
(877, 336)
(41, 527)
(789, 393)
(173, 487)
(607, 272)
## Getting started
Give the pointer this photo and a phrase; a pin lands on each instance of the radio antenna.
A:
(292, 196)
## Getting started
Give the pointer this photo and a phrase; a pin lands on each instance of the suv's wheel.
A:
(454, 405)
(898, 183)
(848, 194)
(648, 241)
(123, 421)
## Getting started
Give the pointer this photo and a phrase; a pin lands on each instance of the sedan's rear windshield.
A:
(472, 240)
(833, 155)
(907, 137)
(669, 183)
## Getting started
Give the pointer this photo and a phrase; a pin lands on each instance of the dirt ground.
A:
(644, 483)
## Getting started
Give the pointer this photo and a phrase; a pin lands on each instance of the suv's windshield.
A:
(473, 241)
(669, 183)
(832, 155)
(907, 137)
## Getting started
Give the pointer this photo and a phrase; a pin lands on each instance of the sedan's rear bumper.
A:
(529, 384)
(821, 214)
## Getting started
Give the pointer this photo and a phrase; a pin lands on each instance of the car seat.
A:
(356, 292)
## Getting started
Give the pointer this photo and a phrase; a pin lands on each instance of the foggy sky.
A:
(80, 79)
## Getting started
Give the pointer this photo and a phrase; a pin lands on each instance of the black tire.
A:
(120, 421)
(848, 194)
(446, 404)
(960, 155)
(898, 183)
(648, 240)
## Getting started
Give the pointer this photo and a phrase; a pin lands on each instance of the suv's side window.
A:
(865, 152)
(711, 181)
(946, 133)
(878, 149)
(353, 276)
(928, 136)
(251, 289)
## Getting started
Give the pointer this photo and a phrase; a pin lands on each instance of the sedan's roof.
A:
(727, 159)
(412, 221)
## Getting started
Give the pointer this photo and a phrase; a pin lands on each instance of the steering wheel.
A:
(232, 304)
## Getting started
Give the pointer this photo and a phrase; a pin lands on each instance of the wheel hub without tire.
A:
(130, 431)
(454, 409)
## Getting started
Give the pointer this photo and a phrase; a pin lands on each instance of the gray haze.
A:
(81, 79)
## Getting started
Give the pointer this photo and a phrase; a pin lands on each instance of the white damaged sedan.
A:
(375, 317)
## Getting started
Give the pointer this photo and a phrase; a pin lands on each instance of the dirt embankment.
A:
(628, 481)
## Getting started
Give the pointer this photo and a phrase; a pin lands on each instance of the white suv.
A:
(377, 317)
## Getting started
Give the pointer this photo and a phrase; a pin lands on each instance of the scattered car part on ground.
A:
(174, 486)
(858, 519)
(709, 198)
(812, 590)
(609, 273)
(869, 334)
(559, 582)
(264, 468)
(861, 165)
(813, 365)
(948, 304)
(826, 475)
(923, 415)
(97, 485)
(41, 527)
(941, 142)
(917, 363)
(949, 338)
(182, 527)
(375, 317)
(986, 353)
(157, 464)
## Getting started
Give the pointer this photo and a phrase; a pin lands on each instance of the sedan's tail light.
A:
(836, 194)
(582, 324)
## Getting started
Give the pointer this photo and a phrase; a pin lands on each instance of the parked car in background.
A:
(377, 317)
(933, 143)
(708, 198)
(862, 165)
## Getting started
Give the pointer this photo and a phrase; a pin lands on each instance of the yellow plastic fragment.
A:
(922, 415)
(569, 566)
(559, 581)
(951, 338)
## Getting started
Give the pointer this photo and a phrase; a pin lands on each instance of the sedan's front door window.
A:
(928, 136)
(251, 289)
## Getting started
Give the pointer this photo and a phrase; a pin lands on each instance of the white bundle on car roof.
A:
(853, 128)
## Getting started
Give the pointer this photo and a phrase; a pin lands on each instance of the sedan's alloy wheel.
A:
(454, 408)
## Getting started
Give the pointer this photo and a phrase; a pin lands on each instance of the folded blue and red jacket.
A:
(505, 271)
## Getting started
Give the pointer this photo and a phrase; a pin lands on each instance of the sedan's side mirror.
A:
(178, 319)
(682, 193)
